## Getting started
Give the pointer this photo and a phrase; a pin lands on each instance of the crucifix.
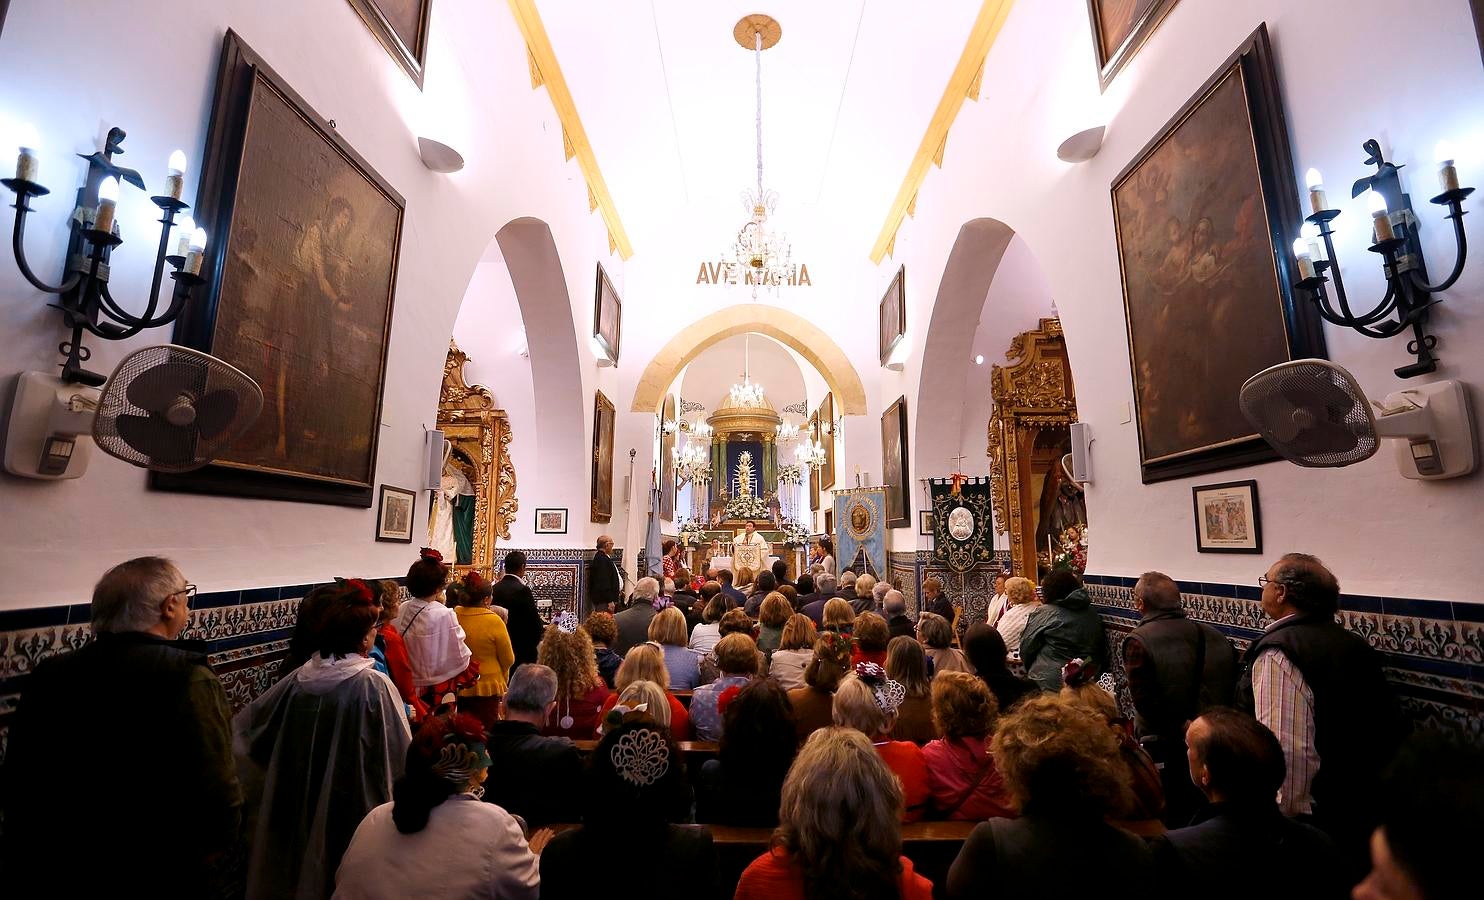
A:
(958, 475)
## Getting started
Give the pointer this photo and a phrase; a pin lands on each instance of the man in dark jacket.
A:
(897, 621)
(1065, 628)
(166, 761)
(515, 595)
(633, 623)
(1176, 669)
(1321, 689)
(1238, 765)
(687, 600)
(540, 777)
(725, 578)
(780, 574)
(604, 582)
(812, 605)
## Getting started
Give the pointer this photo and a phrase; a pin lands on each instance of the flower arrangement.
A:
(795, 533)
(747, 507)
(690, 530)
(1071, 550)
(790, 474)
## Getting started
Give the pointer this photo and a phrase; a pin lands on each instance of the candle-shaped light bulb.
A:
(108, 198)
(1305, 259)
(28, 141)
(185, 228)
(1318, 202)
(1447, 173)
(175, 174)
(1310, 233)
(1377, 205)
(193, 254)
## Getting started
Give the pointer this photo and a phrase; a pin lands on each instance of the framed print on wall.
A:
(607, 317)
(894, 464)
(1204, 217)
(302, 267)
(1227, 518)
(893, 314)
(1120, 28)
(402, 28)
(827, 438)
(551, 521)
(395, 514)
(602, 458)
(925, 522)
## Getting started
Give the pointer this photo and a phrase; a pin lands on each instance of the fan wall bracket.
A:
(1436, 440)
(40, 412)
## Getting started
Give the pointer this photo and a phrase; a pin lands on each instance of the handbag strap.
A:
(414, 619)
(985, 767)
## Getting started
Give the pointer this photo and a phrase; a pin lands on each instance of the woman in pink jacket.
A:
(962, 777)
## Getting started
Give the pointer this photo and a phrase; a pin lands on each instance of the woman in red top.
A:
(394, 649)
(645, 662)
(580, 689)
(871, 637)
(838, 833)
(867, 701)
(962, 775)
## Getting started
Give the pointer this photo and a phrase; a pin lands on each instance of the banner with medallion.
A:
(963, 522)
(860, 530)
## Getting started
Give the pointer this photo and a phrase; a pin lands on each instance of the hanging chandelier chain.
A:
(758, 56)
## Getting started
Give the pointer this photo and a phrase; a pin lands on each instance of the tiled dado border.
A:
(1434, 649)
(246, 632)
(971, 590)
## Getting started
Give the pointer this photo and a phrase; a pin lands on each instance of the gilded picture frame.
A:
(894, 470)
(401, 26)
(667, 465)
(827, 438)
(892, 315)
(1203, 216)
(814, 480)
(602, 480)
(1119, 30)
(607, 315)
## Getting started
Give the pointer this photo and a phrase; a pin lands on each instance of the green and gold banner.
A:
(963, 522)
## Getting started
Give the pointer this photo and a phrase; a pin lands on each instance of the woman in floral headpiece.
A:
(633, 790)
(488, 641)
(813, 703)
(435, 838)
(867, 701)
(435, 641)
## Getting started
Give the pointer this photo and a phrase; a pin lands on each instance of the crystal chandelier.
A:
(692, 463)
(747, 393)
(786, 432)
(810, 453)
(759, 257)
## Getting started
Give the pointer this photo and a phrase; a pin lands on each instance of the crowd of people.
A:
(449, 743)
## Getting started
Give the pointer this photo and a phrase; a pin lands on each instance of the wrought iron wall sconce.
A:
(83, 294)
(1409, 296)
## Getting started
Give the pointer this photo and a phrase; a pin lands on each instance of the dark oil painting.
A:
(1120, 28)
(667, 462)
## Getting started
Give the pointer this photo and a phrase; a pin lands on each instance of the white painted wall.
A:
(1381, 533)
(161, 62)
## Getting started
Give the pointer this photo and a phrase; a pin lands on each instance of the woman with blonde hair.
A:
(962, 776)
(771, 617)
(907, 666)
(867, 701)
(1022, 598)
(667, 629)
(838, 616)
(936, 634)
(646, 662)
(744, 579)
(838, 835)
(628, 702)
(865, 595)
(1060, 763)
(580, 689)
(795, 649)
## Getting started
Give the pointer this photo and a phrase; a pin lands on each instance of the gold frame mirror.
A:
(479, 447)
(1035, 404)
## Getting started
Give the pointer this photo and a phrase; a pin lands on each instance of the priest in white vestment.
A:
(750, 549)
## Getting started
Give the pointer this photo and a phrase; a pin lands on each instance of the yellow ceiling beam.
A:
(964, 81)
(544, 65)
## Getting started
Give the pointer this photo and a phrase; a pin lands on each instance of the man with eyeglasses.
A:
(1321, 689)
(123, 748)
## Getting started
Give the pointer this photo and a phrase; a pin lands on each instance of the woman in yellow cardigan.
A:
(488, 641)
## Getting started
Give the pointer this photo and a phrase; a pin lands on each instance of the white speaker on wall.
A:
(1081, 453)
(434, 445)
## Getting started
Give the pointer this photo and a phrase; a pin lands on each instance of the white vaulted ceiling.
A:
(667, 99)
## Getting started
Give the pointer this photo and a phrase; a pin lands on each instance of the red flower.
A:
(360, 590)
(430, 553)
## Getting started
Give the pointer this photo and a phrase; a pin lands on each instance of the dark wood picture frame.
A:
(1250, 486)
(667, 462)
(814, 489)
(539, 529)
(218, 193)
(607, 315)
(602, 481)
(1111, 60)
(827, 438)
(4, 8)
(1477, 8)
(1252, 64)
(892, 314)
(898, 497)
(382, 533)
(412, 57)
(925, 521)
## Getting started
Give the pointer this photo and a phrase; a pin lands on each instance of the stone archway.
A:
(806, 338)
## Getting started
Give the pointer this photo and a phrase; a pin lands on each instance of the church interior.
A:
(947, 293)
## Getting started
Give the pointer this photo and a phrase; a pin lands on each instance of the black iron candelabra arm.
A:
(24, 191)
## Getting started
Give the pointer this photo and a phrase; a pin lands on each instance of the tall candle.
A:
(193, 257)
(1310, 233)
(175, 175)
(1380, 216)
(108, 198)
(1447, 174)
(26, 164)
(1318, 201)
(1305, 259)
(185, 229)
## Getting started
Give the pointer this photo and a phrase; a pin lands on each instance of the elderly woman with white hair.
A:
(633, 623)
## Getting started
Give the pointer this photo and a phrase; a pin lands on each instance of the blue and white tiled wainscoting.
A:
(1433, 649)
(556, 575)
(971, 590)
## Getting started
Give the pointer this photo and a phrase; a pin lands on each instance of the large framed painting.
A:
(1120, 28)
(892, 315)
(402, 28)
(607, 316)
(894, 464)
(302, 267)
(814, 489)
(1476, 6)
(827, 433)
(1203, 218)
(667, 462)
(602, 458)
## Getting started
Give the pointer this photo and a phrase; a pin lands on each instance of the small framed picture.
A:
(551, 521)
(394, 515)
(925, 521)
(1227, 518)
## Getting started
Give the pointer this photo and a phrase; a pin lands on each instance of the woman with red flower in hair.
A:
(434, 638)
(489, 643)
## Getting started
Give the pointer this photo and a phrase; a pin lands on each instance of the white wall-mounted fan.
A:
(167, 408)
(1315, 414)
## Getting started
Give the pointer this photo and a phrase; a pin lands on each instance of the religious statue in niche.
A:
(1063, 512)
(451, 518)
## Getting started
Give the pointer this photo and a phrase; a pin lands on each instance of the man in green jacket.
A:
(1065, 628)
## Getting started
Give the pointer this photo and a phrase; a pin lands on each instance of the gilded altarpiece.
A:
(1035, 404)
(479, 438)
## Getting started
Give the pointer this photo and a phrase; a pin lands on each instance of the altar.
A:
(764, 564)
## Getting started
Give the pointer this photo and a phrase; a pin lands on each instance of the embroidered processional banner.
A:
(963, 525)
(860, 529)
